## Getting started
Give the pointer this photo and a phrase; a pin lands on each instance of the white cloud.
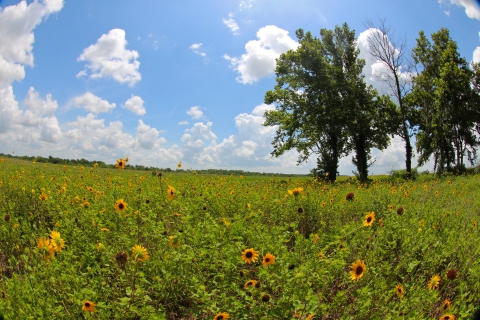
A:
(135, 104)
(9, 109)
(92, 103)
(476, 55)
(247, 149)
(193, 136)
(147, 137)
(195, 112)
(196, 48)
(182, 123)
(259, 60)
(472, 9)
(245, 4)
(41, 107)
(110, 58)
(231, 24)
(16, 36)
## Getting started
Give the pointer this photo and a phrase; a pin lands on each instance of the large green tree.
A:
(323, 105)
(446, 103)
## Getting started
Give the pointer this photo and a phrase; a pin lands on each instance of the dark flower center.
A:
(120, 163)
(359, 270)
(249, 254)
(219, 317)
(369, 219)
(267, 259)
(120, 205)
(87, 304)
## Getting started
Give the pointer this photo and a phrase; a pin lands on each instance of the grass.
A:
(187, 262)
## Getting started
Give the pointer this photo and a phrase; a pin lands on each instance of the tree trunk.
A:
(361, 157)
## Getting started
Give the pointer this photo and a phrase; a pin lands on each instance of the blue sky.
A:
(169, 81)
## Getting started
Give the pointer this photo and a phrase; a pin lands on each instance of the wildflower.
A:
(446, 304)
(310, 316)
(95, 165)
(122, 259)
(452, 274)
(57, 241)
(120, 164)
(250, 283)
(179, 165)
(434, 282)
(320, 255)
(448, 317)
(100, 247)
(88, 306)
(350, 196)
(265, 298)
(475, 224)
(400, 211)
(295, 191)
(381, 223)
(170, 193)
(391, 207)
(369, 218)
(425, 187)
(357, 270)
(174, 241)
(140, 253)
(46, 248)
(399, 290)
(43, 197)
(105, 229)
(222, 316)
(268, 259)
(249, 255)
(120, 205)
(315, 238)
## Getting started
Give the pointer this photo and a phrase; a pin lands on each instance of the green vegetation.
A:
(85, 242)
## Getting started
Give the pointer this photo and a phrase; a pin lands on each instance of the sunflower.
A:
(448, 317)
(399, 290)
(57, 241)
(250, 283)
(46, 247)
(88, 306)
(170, 193)
(179, 165)
(268, 259)
(43, 197)
(249, 255)
(174, 241)
(446, 304)
(434, 282)
(120, 205)
(140, 253)
(222, 316)
(369, 218)
(120, 164)
(320, 255)
(357, 270)
(295, 191)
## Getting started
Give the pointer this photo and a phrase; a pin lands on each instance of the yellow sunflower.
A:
(43, 197)
(434, 282)
(46, 247)
(268, 259)
(179, 165)
(170, 193)
(174, 241)
(399, 290)
(295, 191)
(369, 218)
(140, 253)
(357, 270)
(88, 306)
(120, 164)
(448, 317)
(249, 255)
(250, 283)
(120, 205)
(57, 241)
(446, 304)
(222, 316)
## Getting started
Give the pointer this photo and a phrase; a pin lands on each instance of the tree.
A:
(392, 54)
(446, 103)
(322, 104)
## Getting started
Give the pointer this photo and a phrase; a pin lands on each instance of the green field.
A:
(83, 242)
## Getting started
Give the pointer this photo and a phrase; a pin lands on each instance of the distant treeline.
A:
(101, 164)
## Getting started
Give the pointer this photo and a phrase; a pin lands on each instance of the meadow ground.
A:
(83, 242)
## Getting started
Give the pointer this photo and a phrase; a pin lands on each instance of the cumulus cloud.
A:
(193, 136)
(245, 4)
(195, 112)
(109, 58)
(259, 60)
(476, 55)
(148, 137)
(182, 123)
(9, 109)
(472, 9)
(135, 104)
(17, 23)
(231, 24)
(196, 48)
(92, 103)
